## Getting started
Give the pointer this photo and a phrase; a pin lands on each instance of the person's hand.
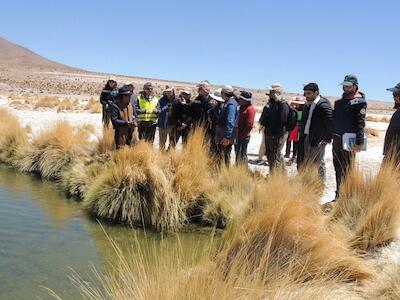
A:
(225, 142)
(156, 111)
(357, 148)
(184, 126)
(213, 103)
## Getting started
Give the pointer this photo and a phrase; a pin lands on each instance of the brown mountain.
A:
(14, 55)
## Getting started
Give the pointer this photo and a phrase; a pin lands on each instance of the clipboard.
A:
(349, 140)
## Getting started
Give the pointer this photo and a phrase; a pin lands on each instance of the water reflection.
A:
(43, 236)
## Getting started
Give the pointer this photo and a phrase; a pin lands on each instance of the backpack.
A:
(291, 118)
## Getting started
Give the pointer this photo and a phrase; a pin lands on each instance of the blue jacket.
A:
(165, 108)
(228, 121)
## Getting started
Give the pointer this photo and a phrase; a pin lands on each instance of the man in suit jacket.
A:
(315, 129)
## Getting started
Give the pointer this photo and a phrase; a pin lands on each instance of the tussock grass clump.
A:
(229, 197)
(368, 208)
(192, 176)
(66, 105)
(13, 138)
(372, 132)
(78, 177)
(377, 119)
(53, 150)
(133, 189)
(192, 168)
(387, 285)
(169, 274)
(93, 106)
(47, 102)
(285, 232)
(106, 143)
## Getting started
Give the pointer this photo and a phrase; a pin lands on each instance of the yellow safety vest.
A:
(149, 105)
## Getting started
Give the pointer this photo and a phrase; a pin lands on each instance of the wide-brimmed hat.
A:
(298, 100)
(227, 89)
(394, 89)
(246, 96)
(169, 88)
(124, 91)
(350, 80)
(277, 87)
(128, 83)
(186, 91)
(216, 95)
(204, 83)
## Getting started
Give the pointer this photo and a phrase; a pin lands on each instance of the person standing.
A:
(200, 105)
(274, 120)
(147, 113)
(213, 116)
(107, 97)
(348, 117)
(293, 139)
(315, 129)
(123, 119)
(165, 122)
(262, 151)
(181, 117)
(226, 131)
(247, 113)
(391, 148)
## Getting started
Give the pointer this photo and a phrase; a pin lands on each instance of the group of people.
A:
(316, 124)
(226, 118)
(308, 122)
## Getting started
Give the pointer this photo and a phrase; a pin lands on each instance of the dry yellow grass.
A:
(192, 179)
(66, 105)
(372, 132)
(280, 249)
(285, 232)
(93, 106)
(78, 177)
(47, 102)
(387, 284)
(133, 189)
(13, 138)
(368, 209)
(54, 149)
(106, 143)
(377, 119)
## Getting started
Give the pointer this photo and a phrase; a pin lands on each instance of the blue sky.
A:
(247, 43)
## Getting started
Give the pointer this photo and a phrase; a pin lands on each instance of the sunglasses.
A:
(149, 89)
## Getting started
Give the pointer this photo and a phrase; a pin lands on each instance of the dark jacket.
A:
(321, 125)
(274, 118)
(227, 121)
(213, 116)
(198, 110)
(349, 116)
(246, 120)
(165, 115)
(120, 118)
(181, 113)
(392, 137)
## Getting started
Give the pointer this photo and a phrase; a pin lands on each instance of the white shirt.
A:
(310, 112)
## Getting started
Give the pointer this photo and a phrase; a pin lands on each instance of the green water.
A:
(44, 236)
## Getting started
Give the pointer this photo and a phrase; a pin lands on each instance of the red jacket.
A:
(246, 120)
